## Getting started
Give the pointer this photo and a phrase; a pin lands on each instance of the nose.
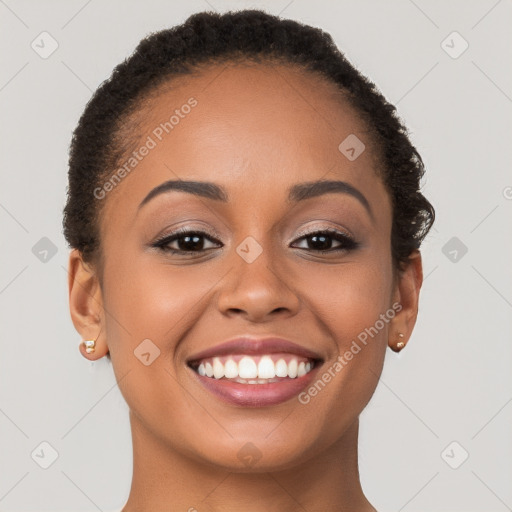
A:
(258, 290)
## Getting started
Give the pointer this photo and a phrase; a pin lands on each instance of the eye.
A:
(187, 242)
(321, 241)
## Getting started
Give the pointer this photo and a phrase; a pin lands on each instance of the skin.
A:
(256, 131)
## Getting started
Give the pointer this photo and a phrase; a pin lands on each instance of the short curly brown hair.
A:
(208, 37)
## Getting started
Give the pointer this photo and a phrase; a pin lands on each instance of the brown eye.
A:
(186, 242)
(193, 242)
(322, 241)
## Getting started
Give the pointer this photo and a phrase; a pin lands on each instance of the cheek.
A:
(349, 298)
(353, 306)
(148, 301)
(154, 300)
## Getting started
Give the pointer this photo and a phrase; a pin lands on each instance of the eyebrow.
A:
(299, 192)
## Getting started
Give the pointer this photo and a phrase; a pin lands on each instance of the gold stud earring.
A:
(400, 345)
(90, 345)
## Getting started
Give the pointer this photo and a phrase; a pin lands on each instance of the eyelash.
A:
(349, 244)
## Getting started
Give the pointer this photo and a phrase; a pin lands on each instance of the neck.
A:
(166, 480)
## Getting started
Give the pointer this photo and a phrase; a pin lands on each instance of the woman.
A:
(245, 220)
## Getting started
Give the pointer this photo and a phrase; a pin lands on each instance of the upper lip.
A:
(256, 346)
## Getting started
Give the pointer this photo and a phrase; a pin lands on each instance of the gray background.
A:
(453, 381)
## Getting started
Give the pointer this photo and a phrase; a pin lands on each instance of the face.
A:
(259, 264)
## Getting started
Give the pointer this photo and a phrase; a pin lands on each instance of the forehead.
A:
(265, 110)
(252, 128)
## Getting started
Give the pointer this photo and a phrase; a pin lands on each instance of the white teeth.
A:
(248, 371)
(281, 368)
(292, 369)
(255, 381)
(230, 369)
(247, 368)
(218, 368)
(266, 368)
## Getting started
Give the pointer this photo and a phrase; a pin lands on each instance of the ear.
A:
(406, 293)
(86, 304)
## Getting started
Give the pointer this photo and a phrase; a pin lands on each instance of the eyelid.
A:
(217, 236)
(185, 229)
(315, 229)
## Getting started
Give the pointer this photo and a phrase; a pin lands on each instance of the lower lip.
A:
(256, 395)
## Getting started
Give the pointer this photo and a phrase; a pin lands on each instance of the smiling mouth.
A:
(254, 369)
